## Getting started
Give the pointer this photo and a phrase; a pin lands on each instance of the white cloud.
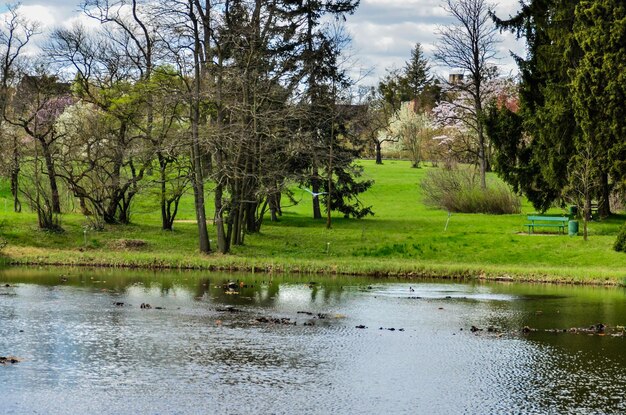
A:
(383, 31)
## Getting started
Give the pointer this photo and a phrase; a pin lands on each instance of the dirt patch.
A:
(127, 244)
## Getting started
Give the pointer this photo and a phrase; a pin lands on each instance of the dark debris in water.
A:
(228, 310)
(8, 286)
(390, 329)
(320, 316)
(276, 320)
(4, 360)
(599, 329)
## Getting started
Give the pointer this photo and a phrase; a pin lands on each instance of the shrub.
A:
(458, 190)
(620, 242)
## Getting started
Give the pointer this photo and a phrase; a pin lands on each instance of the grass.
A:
(404, 238)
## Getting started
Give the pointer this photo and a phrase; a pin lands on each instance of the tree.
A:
(412, 84)
(583, 182)
(376, 124)
(413, 130)
(38, 101)
(549, 126)
(324, 79)
(469, 45)
(394, 89)
(598, 93)
(106, 78)
(15, 34)
(200, 24)
(458, 118)
(417, 74)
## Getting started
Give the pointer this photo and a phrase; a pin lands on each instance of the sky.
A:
(383, 32)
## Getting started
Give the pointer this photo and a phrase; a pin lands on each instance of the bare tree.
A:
(469, 45)
(583, 181)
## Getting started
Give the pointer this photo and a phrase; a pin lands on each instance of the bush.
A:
(458, 190)
(620, 242)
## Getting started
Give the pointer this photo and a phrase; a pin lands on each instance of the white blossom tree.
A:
(413, 130)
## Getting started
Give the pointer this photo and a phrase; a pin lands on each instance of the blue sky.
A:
(383, 31)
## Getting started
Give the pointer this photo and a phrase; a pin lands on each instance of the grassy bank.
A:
(403, 238)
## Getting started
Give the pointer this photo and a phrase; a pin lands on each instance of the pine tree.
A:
(545, 102)
(598, 90)
(417, 71)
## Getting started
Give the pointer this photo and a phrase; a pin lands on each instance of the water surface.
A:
(291, 345)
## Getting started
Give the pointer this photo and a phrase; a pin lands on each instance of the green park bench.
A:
(559, 222)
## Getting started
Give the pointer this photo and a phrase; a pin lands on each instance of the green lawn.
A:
(403, 238)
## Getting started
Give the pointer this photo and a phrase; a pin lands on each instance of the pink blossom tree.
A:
(462, 123)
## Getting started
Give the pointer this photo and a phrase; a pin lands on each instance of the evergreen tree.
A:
(545, 103)
(417, 72)
(598, 90)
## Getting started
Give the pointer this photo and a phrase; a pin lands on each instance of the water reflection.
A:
(220, 343)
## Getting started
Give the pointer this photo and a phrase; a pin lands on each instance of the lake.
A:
(129, 342)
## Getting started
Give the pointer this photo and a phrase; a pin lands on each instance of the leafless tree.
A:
(469, 45)
(584, 182)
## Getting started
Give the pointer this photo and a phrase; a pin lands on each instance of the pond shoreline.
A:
(332, 267)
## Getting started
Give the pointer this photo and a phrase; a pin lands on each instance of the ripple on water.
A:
(83, 354)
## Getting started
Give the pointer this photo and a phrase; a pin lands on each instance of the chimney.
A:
(455, 78)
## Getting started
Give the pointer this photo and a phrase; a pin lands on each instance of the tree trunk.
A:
(198, 193)
(586, 215)
(379, 156)
(83, 206)
(166, 223)
(223, 243)
(252, 226)
(330, 175)
(196, 154)
(54, 189)
(481, 154)
(315, 187)
(109, 214)
(604, 204)
(15, 190)
(274, 203)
